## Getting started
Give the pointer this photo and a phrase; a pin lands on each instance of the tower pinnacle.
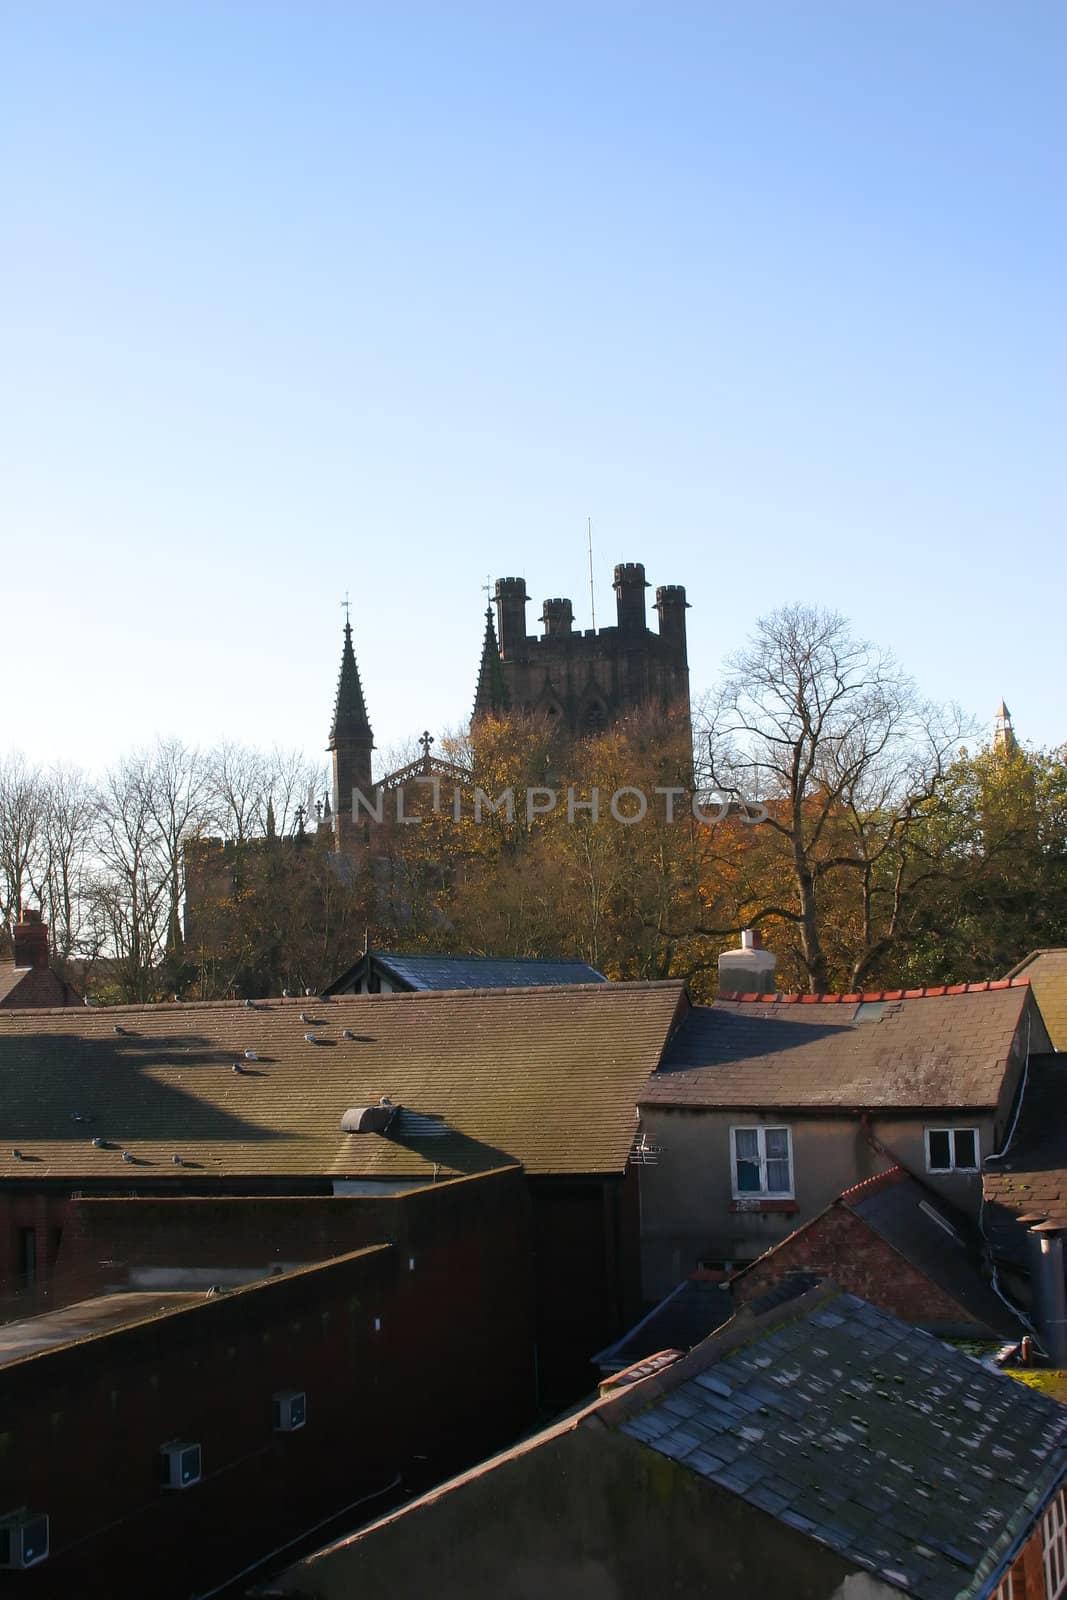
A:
(491, 698)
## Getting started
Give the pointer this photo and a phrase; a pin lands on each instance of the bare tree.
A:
(177, 790)
(69, 820)
(291, 784)
(131, 889)
(23, 811)
(237, 786)
(832, 738)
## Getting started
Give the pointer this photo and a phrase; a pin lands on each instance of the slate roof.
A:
(547, 1077)
(1047, 972)
(472, 972)
(686, 1316)
(899, 1452)
(1032, 1178)
(925, 1051)
(905, 1213)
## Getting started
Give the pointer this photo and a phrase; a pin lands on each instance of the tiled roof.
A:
(902, 1052)
(1031, 1180)
(32, 986)
(902, 1454)
(474, 972)
(868, 997)
(546, 1077)
(1046, 970)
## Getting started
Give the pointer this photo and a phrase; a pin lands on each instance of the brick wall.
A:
(416, 1358)
(839, 1245)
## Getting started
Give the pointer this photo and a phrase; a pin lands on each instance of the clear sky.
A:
(304, 298)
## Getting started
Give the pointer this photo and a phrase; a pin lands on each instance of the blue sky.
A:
(306, 298)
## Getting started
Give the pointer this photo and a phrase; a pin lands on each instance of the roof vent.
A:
(237, 1067)
(97, 1144)
(177, 1161)
(311, 1039)
(119, 1029)
(126, 1156)
(250, 1005)
(346, 1033)
(304, 1017)
(250, 1055)
(368, 1119)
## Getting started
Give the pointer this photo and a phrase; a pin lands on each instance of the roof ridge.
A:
(864, 997)
(868, 1185)
(280, 1002)
(1042, 950)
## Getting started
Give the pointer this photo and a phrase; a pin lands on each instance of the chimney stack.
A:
(749, 970)
(29, 937)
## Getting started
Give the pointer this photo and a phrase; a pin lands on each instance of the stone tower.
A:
(351, 744)
(585, 681)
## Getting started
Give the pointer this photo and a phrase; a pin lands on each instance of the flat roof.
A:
(103, 1314)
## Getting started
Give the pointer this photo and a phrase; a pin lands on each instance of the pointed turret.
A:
(351, 743)
(492, 696)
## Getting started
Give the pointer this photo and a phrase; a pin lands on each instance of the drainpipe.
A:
(1050, 1292)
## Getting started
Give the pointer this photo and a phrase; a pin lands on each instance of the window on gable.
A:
(952, 1149)
(762, 1162)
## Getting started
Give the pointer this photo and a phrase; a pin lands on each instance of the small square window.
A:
(952, 1149)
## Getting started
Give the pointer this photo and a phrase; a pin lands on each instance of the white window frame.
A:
(951, 1133)
(1054, 1547)
(1005, 1590)
(761, 1131)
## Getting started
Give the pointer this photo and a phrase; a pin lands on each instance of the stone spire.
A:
(491, 698)
(351, 744)
(1004, 739)
(350, 711)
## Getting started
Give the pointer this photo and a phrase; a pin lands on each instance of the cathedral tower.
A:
(584, 681)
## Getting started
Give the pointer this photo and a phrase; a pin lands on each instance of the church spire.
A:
(492, 695)
(351, 743)
(1004, 738)
(350, 710)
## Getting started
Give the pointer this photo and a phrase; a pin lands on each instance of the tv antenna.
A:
(592, 593)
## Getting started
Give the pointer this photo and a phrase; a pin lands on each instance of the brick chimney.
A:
(749, 970)
(29, 937)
